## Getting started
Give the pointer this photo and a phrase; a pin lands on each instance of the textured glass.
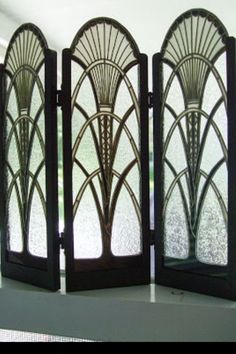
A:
(212, 94)
(16, 239)
(175, 151)
(175, 227)
(195, 141)
(87, 234)
(25, 142)
(106, 144)
(126, 227)
(174, 93)
(176, 232)
(212, 245)
(213, 152)
(123, 100)
(37, 229)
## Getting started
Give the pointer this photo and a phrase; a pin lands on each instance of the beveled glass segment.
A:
(195, 146)
(25, 145)
(106, 143)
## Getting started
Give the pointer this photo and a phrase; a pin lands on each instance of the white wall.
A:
(147, 20)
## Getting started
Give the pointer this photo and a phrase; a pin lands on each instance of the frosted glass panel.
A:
(12, 102)
(126, 228)
(14, 225)
(195, 142)
(175, 151)
(212, 152)
(220, 121)
(86, 99)
(125, 154)
(176, 231)
(123, 101)
(38, 148)
(87, 234)
(106, 144)
(37, 98)
(85, 147)
(212, 94)
(13, 151)
(174, 95)
(38, 228)
(78, 123)
(25, 141)
(212, 243)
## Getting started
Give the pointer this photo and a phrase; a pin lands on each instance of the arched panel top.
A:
(105, 39)
(192, 46)
(106, 51)
(24, 59)
(197, 31)
(27, 47)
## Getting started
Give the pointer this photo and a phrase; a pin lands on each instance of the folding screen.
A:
(105, 107)
(29, 216)
(105, 102)
(193, 183)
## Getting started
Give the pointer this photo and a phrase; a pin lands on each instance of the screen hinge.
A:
(152, 237)
(150, 100)
(62, 241)
(59, 98)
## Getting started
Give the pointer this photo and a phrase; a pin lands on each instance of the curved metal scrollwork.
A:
(195, 207)
(25, 144)
(107, 54)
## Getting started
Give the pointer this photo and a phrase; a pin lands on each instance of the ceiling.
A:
(148, 20)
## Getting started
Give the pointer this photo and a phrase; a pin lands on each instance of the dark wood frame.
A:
(40, 272)
(126, 271)
(181, 279)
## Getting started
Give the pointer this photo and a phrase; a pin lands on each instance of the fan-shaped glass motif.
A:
(195, 154)
(25, 144)
(106, 143)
